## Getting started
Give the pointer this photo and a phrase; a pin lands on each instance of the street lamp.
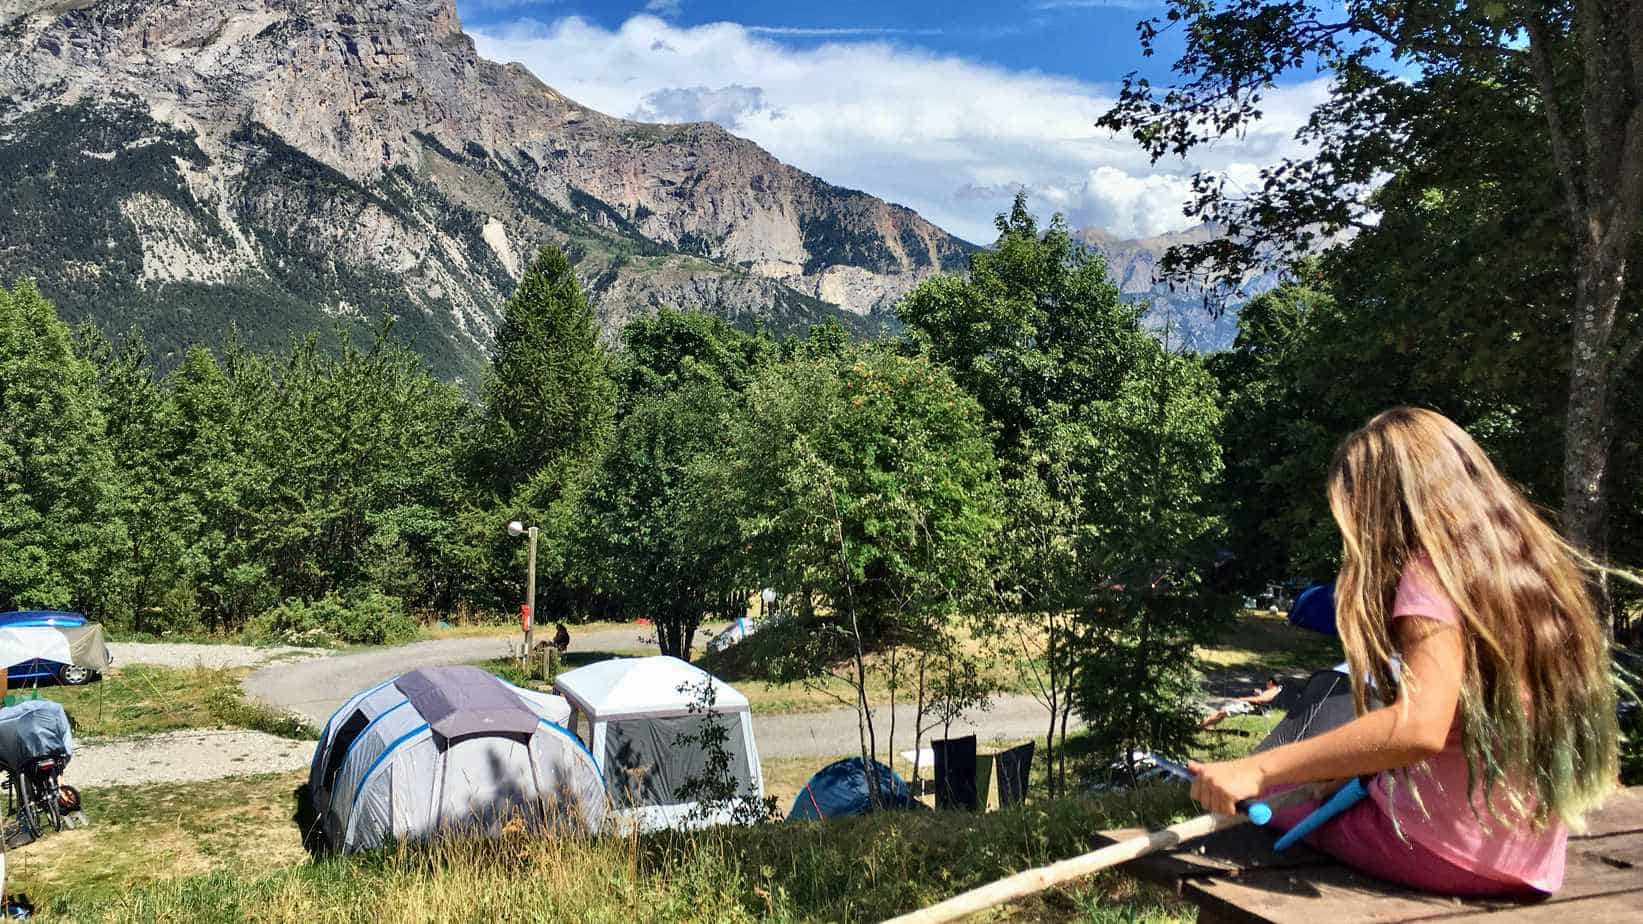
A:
(768, 598)
(517, 529)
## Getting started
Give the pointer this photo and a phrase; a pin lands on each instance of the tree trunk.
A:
(1589, 425)
(1050, 666)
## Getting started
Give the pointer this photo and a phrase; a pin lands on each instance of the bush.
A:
(367, 619)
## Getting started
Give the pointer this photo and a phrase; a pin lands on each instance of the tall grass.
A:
(845, 870)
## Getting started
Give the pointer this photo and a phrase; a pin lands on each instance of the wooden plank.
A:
(1235, 877)
(1622, 813)
(1342, 896)
(1332, 894)
(1613, 908)
(1617, 850)
(1225, 853)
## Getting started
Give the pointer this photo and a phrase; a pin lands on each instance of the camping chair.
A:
(955, 773)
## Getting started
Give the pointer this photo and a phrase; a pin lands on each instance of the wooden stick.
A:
(1037, 880)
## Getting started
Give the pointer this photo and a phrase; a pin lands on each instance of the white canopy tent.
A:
(636, 714)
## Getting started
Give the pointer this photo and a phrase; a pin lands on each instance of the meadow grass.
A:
(234, 856)
(1262, 643)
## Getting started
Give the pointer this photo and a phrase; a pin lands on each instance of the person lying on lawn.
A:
(1256, 701)
(1502, 735)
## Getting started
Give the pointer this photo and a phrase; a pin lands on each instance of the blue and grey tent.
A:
(450, 749)
(840, 789)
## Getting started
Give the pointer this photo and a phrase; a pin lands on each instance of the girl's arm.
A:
(1412, 729)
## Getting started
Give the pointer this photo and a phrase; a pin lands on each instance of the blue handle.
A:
(1259, 813)
(1343, 799)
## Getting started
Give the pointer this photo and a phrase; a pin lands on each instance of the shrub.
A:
(366, 619)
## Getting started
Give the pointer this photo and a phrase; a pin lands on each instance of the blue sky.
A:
(945, 107)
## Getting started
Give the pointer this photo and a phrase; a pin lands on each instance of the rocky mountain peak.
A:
(362, 156)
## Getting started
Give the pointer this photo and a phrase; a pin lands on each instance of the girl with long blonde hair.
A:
(1502, 732)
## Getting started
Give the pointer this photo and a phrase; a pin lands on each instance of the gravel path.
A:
(184, 757)
(316, 687)
(180, 654)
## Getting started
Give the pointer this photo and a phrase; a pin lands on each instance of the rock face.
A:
(181, 163)
(1191, 320)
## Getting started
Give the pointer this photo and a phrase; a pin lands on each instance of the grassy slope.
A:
(229, 852)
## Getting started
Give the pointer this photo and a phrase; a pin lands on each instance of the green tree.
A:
(673, 349)
(1158, 458)
(637, 535)
(59, 530)
(1039, 334)
(550, 396)
(223, 472)
(161, 560)
(1436, 91)
(867, 478)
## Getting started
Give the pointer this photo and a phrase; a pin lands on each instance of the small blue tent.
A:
(1315, 609)
(840, 789)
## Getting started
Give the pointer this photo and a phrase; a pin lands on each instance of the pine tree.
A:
(551, 396)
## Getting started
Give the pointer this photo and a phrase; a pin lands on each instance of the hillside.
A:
(278, 165)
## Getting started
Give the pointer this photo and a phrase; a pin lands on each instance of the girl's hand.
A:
(1219, 787)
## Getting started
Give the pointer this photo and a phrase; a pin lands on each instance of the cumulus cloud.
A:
(950, 137)
(727, 105)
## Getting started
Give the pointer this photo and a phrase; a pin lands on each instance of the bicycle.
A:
(36, 793)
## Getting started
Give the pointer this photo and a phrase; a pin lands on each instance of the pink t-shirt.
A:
(1508, 851)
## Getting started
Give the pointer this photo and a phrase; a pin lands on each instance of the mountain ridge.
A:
(364, 156)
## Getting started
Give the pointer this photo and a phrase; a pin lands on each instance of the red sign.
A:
(524, 617)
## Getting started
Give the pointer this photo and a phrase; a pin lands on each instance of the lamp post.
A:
(767, 598)
(517, 529)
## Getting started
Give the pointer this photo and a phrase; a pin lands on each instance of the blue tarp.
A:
(1315, 609)
(37, 728)
(840, 789)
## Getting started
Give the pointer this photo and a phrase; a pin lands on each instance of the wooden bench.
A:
(1235, 878)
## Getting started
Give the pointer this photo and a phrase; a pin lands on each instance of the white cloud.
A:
(950, 137)
(728, 106)
(664, 7)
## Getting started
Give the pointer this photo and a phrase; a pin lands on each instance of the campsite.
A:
(189, 829)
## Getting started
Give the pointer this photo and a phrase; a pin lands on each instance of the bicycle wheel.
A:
(54, 803)
(25, 806)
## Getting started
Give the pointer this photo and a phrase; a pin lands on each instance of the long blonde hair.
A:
(1538, 698)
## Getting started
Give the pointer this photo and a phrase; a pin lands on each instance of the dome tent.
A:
(642, 718)
(840, 790)
(449, 749)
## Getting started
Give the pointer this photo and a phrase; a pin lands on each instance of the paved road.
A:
(315, 688)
